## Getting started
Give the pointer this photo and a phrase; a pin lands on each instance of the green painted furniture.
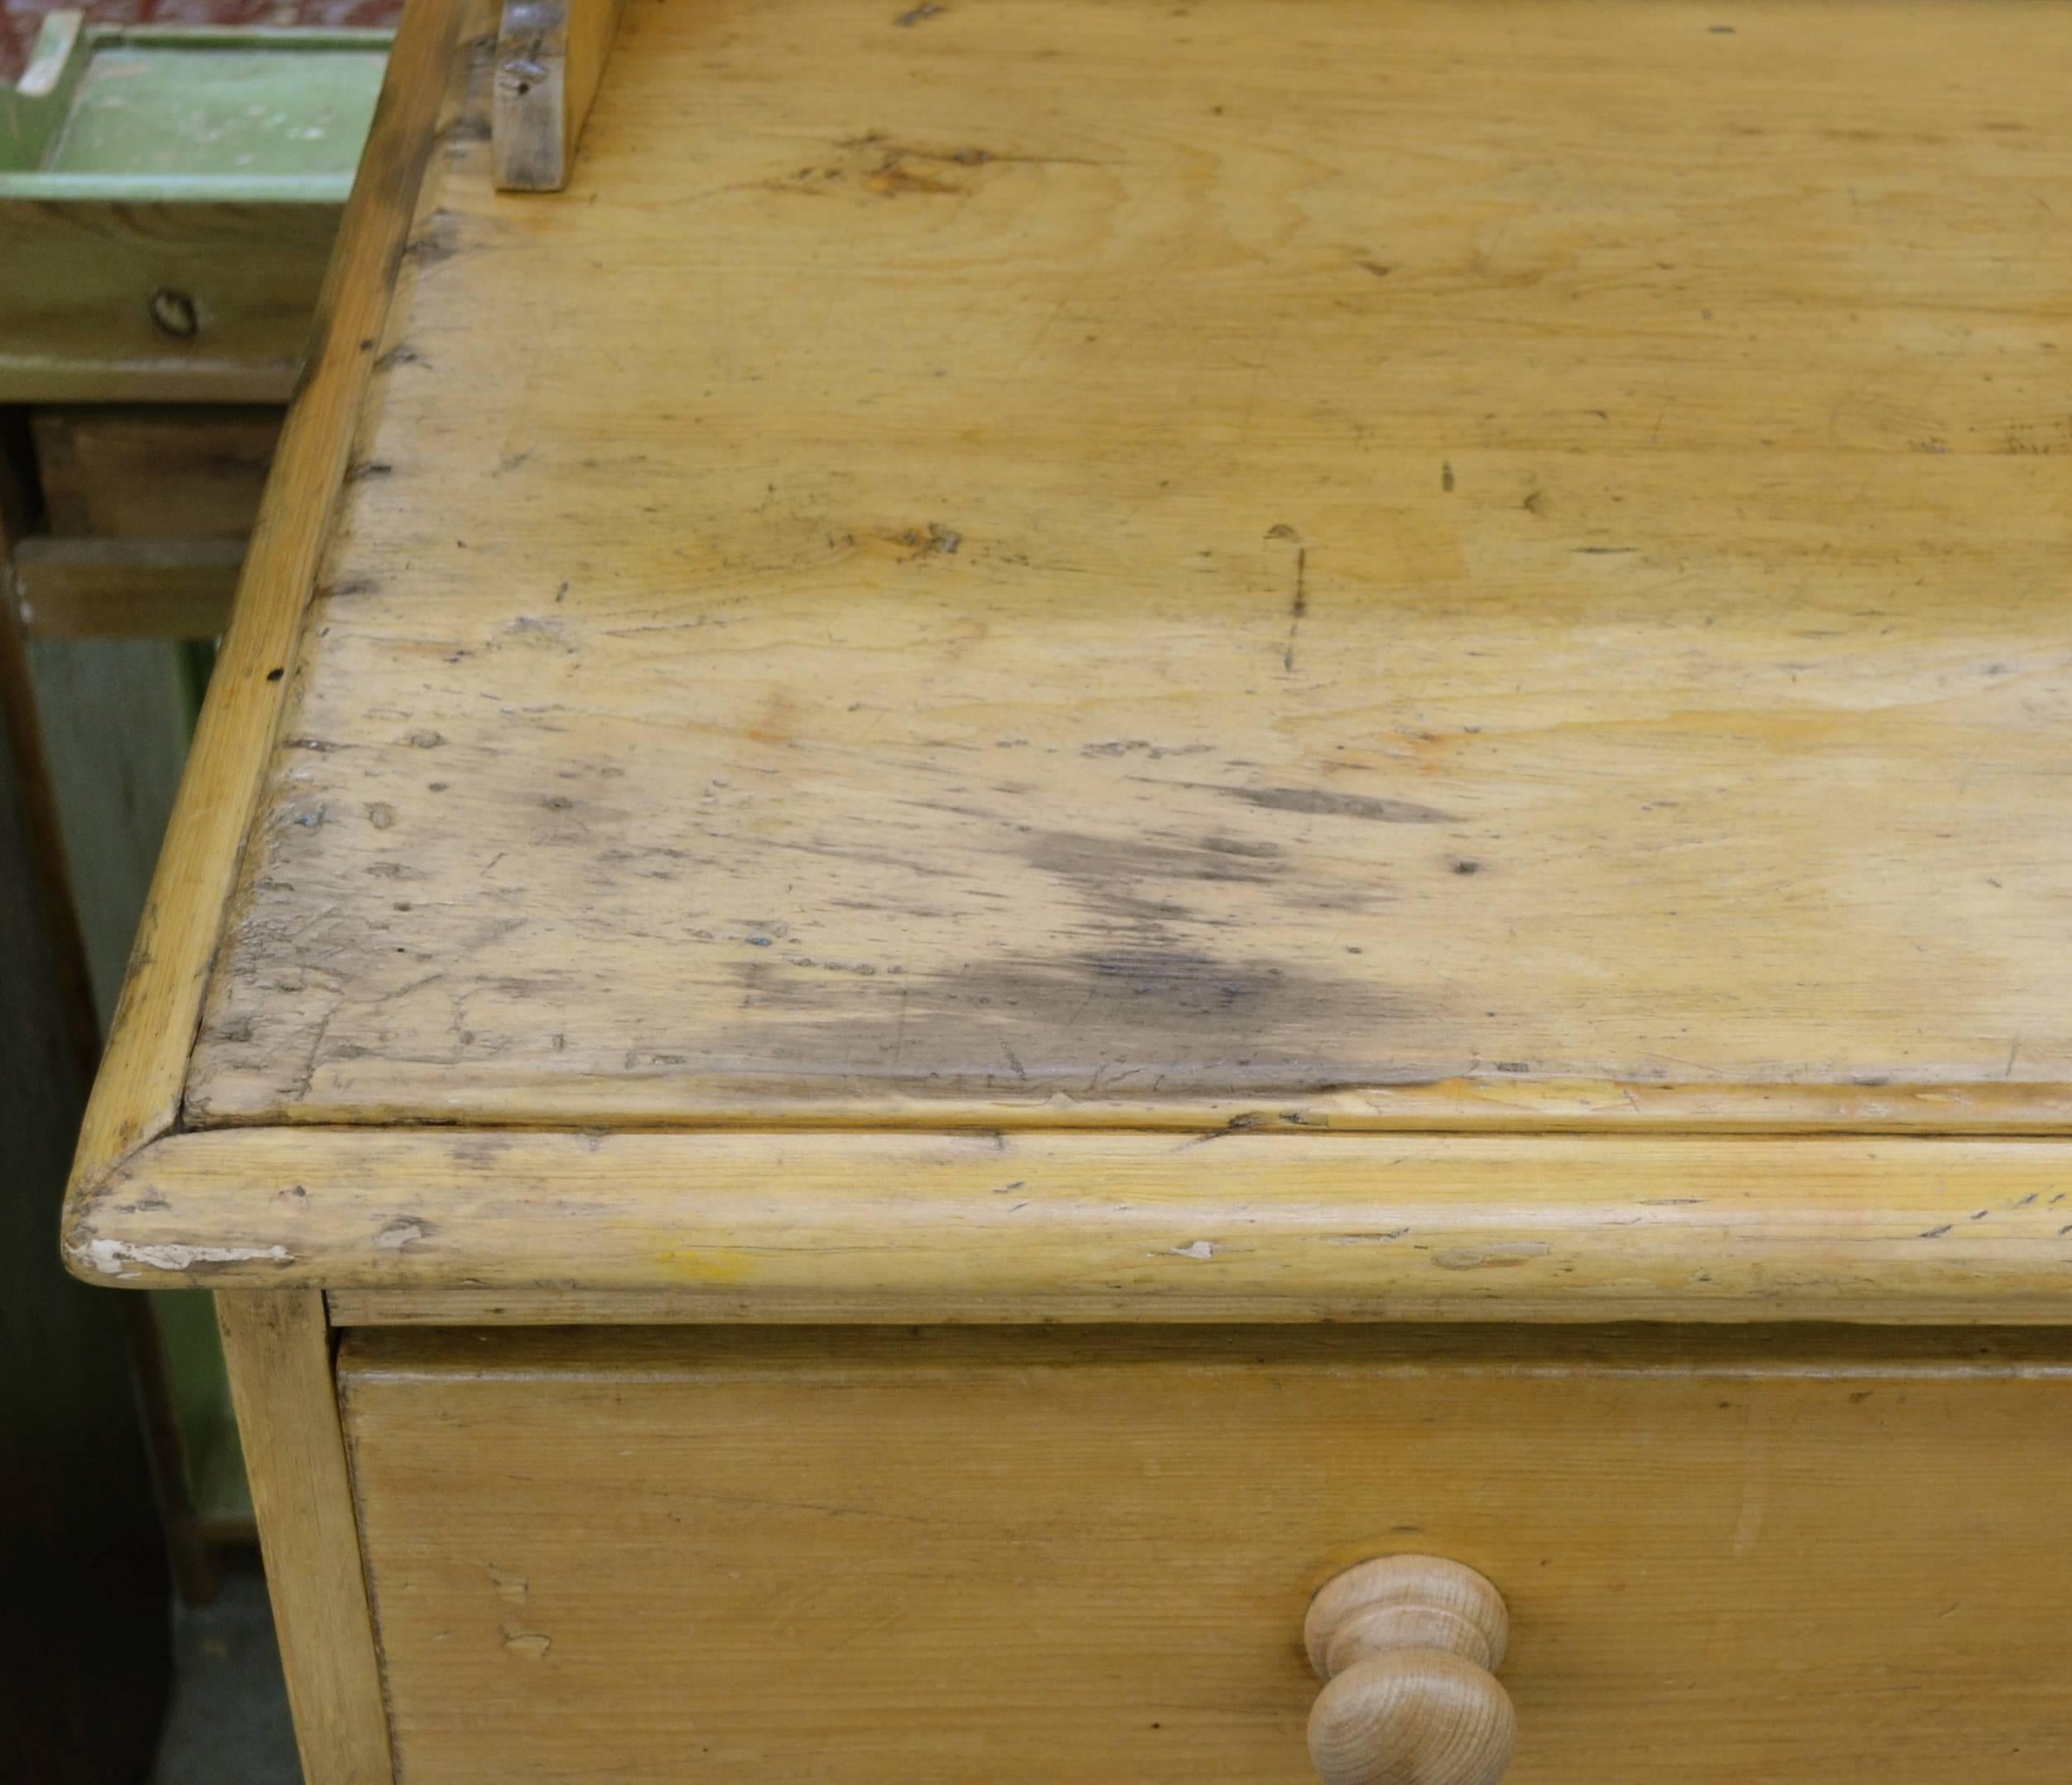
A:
(169, 196)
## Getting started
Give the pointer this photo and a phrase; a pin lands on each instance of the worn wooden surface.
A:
(1514, 593)
(137, 1097)
(278, 1349)
(1431, 566)
(550, 57)
(1001, 1227)
(195, 301)
(1068, 1556)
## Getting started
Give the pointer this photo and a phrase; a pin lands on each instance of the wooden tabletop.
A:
(1318, 566)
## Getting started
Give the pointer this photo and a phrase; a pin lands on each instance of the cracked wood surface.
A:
(1420, 569)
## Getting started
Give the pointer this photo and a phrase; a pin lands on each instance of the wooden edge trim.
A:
(278, 1350)
(137, 1097)
(127, 588)
(1010, 1226)
(549, 57)
(799, 1356)
(1520, 1105)
(432, 1308)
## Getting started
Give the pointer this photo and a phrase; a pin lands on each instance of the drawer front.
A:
(1086, 1555)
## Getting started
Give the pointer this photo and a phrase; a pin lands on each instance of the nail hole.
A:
(174, 312)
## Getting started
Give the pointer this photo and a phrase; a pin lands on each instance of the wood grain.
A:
(127, 588)
(1048, 1555)
(80, 275)
(153, 471)
(892, 1226)
(1430, 567)
(550, 57)
(137, 1097)
(278, 1349)
(1406, 1646)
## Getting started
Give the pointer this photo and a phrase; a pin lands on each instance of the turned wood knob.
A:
(1408, 1646)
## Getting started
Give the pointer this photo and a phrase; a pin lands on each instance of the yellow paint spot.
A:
(707, 1267)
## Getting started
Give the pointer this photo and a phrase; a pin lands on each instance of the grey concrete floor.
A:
(229, 1722)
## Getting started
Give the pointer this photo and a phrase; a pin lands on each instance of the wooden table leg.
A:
(278, 1347)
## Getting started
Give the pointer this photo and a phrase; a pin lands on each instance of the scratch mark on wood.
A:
(1299, 607)
(1323, 804)
(114, 1257)
(1499, 1255)
(1195, 1248)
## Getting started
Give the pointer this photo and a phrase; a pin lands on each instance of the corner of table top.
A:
(99, 1197)
(134, 1114)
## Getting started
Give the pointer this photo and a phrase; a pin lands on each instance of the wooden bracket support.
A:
(550, 55)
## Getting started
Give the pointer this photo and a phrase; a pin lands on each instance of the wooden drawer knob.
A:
(1407, 1646)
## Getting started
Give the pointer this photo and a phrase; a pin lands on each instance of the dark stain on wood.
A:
(1149, 1001)
(436, 244)
(1103, 863)
(1324, 803)
(1123, 1021)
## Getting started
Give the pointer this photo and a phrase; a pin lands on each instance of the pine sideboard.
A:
(1151, 892)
